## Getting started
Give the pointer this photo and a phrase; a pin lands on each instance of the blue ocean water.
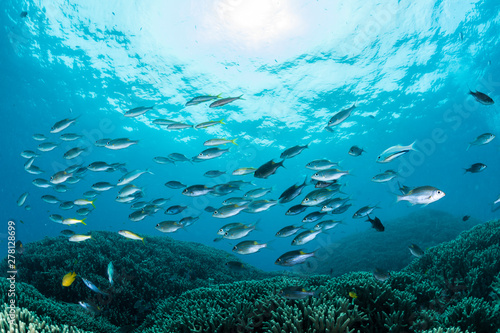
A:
(408, 68)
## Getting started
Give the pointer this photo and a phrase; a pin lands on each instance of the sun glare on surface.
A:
(257, 22)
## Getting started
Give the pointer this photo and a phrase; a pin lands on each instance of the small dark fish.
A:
(341, 209)
(481, 97)
(465, 218)
(67, 232)
(356, 151)
(295, 210)
(224, 101)
(173, 210)
(213, 173)
(19, 247)
(381, 274)
(292, 192)
(376, 224)
(236, 266)
(24, 14)
(320, 184)
(267, 169)
(416, 250)
(475, 168)
(174, 184)
(210, 209)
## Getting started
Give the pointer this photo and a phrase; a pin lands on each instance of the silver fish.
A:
(138, 111)
(248, 247)
(340, 116)
(62, 125)
(224, 101)
(394, 152)
(305, 237)
(121, 143)
(422, 195)
(47, 146)
(74, 153)
(211, 153)
(482, 140)
(228, 211)
(201, 99)
(318, 165)
(329, 175)
(292, 258)
(197, 190)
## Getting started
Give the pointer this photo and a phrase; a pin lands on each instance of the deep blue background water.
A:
(98, 60)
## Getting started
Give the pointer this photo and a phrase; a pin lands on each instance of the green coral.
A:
(440, 292)
(60, 313)
(151, 272)
(20, 320)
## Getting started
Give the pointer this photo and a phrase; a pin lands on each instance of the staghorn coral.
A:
(151, 272)
(60, 313)
(431, 295)
(20, 320)
(465, 266)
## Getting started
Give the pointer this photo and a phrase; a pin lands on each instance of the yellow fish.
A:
(68, 279)
(353, 294)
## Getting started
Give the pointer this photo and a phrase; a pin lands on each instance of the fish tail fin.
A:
(411, 147)
(318, 292)
(83, 222)
(239, 97)
(149, 171)
(143, 242)
(399, 198)
(222, 121)
(233, 141)
(281, 163)
(219, 95)
(467, 147)
(466, 170)
(92, 203)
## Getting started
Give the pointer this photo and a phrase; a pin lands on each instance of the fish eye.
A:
(226, 233)
(306, 199)
(216, 212)
(439, 192)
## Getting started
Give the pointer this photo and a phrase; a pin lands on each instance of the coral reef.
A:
(367, 250)
(453, 288)
(21, 320)
(144, 273)
(61, 315)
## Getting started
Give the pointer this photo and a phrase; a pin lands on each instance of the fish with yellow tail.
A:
(79, 238)
(353, 295)
(83, 202)
(68, 279)
(210, 123)
(73, 221)
(131, 235)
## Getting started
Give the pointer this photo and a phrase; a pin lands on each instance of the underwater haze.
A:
(408, 68)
